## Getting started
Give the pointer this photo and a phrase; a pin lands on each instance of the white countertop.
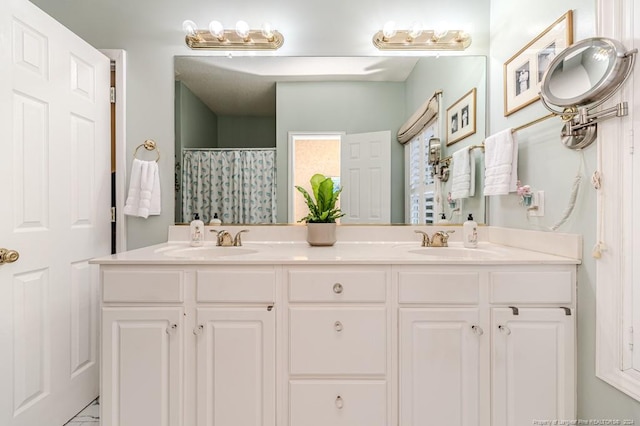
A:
(297, 252)
(286, 244)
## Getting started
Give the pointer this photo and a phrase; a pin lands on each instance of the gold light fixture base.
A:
(232, 41)
(402, 40)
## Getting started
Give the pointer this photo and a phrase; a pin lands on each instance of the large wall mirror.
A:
(297, 106)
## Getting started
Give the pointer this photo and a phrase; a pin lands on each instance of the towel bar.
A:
(149, 145)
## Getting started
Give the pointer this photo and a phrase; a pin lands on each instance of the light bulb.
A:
(416, 30)
(189, 27)
(440, 30)
(216, 29)
(242, 29)
(389, 29)
(267, 31)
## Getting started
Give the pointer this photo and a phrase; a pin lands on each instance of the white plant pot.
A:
(321, 234)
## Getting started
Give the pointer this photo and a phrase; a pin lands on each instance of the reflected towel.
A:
(463, 174)
(501, 163)
(143, 199)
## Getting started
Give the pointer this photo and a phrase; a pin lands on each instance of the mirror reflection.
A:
(272, 122)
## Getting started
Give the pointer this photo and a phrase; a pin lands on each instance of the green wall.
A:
(246, 132)
(350, 107)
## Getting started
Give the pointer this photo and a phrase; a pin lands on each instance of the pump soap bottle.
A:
(215, 221)
(197, 231)
(470, 233)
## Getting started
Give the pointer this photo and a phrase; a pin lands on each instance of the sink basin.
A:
(457, 252)
(209, 252)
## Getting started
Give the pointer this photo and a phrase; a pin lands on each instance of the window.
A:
(421, 188)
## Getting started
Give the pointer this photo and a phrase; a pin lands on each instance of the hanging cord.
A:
(575, 189)
(577, 180)
(596, 181)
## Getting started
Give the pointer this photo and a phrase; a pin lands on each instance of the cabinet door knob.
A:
(504, 329)
(477, 330)
(338, 326)
(339, 402)
(172, 329)
(337, 288)
(198, 330)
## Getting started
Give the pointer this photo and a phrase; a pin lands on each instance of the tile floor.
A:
(90, 416)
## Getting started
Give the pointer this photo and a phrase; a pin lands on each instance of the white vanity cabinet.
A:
(486, 336)
(338, 346)
(188, 345)
(298, 343)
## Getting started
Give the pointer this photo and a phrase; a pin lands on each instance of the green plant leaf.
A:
(315, 181)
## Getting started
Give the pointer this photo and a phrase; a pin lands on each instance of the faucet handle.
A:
(237, 241)
(425, 238)
(444, 237)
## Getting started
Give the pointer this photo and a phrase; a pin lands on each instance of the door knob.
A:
(8, 256)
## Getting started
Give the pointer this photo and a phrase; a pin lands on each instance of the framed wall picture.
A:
(461, 118)
(524, 71)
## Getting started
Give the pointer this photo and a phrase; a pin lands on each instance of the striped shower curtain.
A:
(238, 185)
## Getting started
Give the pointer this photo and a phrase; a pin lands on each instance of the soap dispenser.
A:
(215, 221)
(197, 231)
(443, 219)
(470, 232)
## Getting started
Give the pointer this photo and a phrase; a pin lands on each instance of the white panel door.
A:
(55, 192)
(440, 367)
(236, 382)
(365, 176)
(533, 366)
(142, 366)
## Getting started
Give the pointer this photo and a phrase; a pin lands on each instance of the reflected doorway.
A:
(311, 153)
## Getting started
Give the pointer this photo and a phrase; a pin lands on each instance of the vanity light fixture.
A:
(240, 38)
(416, 38)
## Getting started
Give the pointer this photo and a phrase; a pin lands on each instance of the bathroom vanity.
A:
(361, 333)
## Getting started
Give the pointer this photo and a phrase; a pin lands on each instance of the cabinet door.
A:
(236, 367)
(533, 366)
(440, 367)
(141, 366)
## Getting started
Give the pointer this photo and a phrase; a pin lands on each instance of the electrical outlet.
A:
(537, 204)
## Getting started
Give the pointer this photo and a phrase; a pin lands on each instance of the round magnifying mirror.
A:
(585, 73)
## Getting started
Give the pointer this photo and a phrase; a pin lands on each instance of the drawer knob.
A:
(339, 402)
(338, 326)
(504, 329)
(337, 288)
(477, 330)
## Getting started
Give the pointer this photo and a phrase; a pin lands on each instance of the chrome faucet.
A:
(224, 238)
(439, 238)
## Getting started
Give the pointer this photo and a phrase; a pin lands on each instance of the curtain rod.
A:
(228, 149)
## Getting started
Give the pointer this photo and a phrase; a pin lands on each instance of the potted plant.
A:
(321, 220)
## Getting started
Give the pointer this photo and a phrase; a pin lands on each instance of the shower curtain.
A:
(238, 185)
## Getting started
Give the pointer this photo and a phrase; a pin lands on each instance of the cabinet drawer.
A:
(337, 286)
(531, 287)
(439, 287)
(142, 286)
(236, 286)
(326, 341)
(338, 403)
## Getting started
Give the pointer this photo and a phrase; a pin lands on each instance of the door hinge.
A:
(112, 95)
(631, 339)
(113, 214)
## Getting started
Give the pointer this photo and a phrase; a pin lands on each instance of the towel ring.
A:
(149, 145)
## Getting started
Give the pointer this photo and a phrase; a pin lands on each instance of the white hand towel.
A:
(462, 174)
(144, 197)
(501, 163)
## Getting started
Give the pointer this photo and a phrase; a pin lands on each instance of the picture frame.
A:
(461, 118)
(524, 71)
